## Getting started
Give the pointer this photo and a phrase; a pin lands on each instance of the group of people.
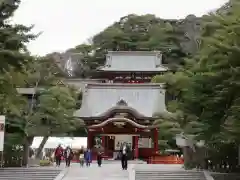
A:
(60, 153)
(67, 154)
(86, 156)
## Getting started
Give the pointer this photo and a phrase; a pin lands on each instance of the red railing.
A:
(171, 159)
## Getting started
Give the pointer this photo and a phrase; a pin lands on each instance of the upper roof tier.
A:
(142, 99)
(133, 61)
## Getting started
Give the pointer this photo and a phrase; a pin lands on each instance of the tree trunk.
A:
(199, 157)
(188, 157)
(27, 143)
(239, 155)
(40, 148)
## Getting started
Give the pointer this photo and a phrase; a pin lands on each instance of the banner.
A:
(2, 128)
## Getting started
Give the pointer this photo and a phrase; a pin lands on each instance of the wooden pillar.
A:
(155, 140)
(133, 143)
(136, 153)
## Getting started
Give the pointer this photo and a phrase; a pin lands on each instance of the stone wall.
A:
(225, 176)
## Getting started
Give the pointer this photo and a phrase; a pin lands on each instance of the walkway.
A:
(106, 172)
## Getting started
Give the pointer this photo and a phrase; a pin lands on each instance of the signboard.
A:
(2, 128)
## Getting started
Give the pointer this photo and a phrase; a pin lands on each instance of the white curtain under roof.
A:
(53, 142)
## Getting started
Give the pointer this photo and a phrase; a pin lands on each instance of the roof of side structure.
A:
(132, 61)
(146, 99)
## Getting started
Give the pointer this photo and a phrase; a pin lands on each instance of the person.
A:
(88, 157)
(81, 157)
(124, 156)
(58, 155)
(99, 158)
(68, 155)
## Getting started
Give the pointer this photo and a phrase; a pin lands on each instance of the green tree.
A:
(210, 96)
(14, 56)
(54, 114)
(214, 84)
(13, 38)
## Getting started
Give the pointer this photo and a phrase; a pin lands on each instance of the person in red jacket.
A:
(58, 154)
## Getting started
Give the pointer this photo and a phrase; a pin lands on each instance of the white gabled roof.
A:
(147, 99)
(133, 61)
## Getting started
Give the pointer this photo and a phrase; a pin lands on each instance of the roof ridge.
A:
(143, 52)
(125, 85)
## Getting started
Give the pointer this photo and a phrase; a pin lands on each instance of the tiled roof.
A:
(133, 61)
(147, 99)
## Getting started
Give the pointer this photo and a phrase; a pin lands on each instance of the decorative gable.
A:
(122, 103)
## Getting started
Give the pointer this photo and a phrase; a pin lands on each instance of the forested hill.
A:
(175, 38)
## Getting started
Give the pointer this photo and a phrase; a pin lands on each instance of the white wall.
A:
(53, 142)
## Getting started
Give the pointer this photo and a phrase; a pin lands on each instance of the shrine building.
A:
(121, 108)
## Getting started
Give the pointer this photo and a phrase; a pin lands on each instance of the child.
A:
(88, 157)
(81, 159)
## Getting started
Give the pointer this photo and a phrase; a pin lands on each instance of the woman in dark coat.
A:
(99, 158)
(68, 155)
(124, 152)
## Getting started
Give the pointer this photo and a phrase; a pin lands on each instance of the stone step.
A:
(119, 162)
(168, 175)
(29, 173)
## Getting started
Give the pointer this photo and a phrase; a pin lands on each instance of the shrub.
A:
(45, 162)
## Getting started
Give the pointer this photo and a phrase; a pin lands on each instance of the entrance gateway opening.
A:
(113, 143)
(120, 102)
(110, 137)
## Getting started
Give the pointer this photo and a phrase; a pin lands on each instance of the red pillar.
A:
(103, 141)
(155, 140)
(136, 154)
(103, 144)
(89, 140)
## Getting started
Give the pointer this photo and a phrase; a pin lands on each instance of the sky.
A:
(67, 23)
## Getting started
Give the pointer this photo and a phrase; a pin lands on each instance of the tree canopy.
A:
(25, 114)
(206, 88)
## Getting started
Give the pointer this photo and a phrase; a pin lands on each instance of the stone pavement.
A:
(106, 172)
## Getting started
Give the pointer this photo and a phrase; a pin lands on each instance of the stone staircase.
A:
(29, 173)
(169, 175)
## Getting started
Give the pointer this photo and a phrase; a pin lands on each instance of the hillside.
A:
(177, 39)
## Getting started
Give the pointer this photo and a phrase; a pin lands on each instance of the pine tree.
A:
(13, 38)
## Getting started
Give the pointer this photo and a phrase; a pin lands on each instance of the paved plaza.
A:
(106, 172)
(110, 171)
